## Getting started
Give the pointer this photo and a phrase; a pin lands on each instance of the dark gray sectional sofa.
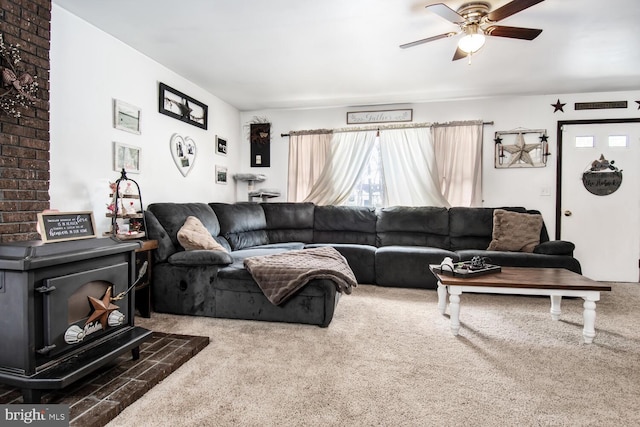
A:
(387, 247)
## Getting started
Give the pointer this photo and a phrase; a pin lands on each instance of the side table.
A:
(143, 289)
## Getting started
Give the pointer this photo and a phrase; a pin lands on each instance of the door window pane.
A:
(585, 142)
(618, 141)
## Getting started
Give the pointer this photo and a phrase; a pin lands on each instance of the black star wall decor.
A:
(558, 106)
(638, 104)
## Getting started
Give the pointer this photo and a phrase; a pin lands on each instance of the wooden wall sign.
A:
(518, 149)
(602, 183)
(260, 138)
(602, 178)
(63, 226)
(384, 116)
(600, 105)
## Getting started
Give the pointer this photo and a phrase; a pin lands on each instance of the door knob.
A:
(568, 213)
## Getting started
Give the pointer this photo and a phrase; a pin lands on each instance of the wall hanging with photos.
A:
(521, 148)
(184, 151)
(182, 107)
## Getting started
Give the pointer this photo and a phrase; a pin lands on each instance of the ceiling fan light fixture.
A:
(472, 41)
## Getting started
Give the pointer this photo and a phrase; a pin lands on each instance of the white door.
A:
(604, 228)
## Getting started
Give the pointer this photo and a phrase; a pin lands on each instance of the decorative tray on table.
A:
(465, 269)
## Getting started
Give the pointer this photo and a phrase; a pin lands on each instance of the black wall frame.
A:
(176, 104)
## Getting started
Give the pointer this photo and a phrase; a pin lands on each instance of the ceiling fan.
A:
(476, 21)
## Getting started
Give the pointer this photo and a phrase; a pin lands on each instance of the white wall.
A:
(501, 187)
(88, 69)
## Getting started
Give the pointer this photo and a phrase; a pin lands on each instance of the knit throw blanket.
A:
(281, 275)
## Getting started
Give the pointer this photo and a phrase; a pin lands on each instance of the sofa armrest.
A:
(555, 247)
(200, 257)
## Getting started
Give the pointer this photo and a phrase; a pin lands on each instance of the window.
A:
(369, 190)
(585, 142)
(618, 141)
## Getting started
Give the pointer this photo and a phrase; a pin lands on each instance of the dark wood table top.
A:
(527, 277)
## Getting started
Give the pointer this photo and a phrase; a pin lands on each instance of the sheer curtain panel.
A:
(349, 154)
(308, 155)
(409, 165)
(458, 150)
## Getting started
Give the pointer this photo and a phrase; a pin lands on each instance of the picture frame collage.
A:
(173, 103)
(126, 117)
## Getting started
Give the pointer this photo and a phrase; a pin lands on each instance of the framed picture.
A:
(126, 157)
(126, 117)
(221, 145)
(523, 148)
(176, 104)
(221, 174)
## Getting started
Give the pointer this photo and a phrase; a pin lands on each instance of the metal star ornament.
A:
(102, 309)
(638, 102)
(520, 151)
(558, 106)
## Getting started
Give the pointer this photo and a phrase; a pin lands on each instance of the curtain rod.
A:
(374, 127)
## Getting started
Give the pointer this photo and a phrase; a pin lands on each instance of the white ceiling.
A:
(257, 54)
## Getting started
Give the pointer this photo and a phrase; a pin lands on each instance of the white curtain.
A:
(308, 155)
(410, 171)
(458, 150)
(349, 154)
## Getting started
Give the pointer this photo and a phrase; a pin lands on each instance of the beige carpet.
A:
(389, 359)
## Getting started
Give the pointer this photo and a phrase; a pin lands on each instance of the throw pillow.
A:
(515, 232)
(193, 236)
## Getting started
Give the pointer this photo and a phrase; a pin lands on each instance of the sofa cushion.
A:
(515, 232)
(242, 224)
(192, 236)
(472, 228)
(345, 224)
(200, 257)
(170, 217)
(413, 226)
(555, 247)
(361, 259)
(156, 231)
(408, 266)
(289, 222)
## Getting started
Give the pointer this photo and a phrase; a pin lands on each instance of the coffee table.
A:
(555, 282)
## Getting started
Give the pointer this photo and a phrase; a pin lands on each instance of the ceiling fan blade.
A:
(446, 12)
(512, 32)
(511, 8)
(428, 39)
(459, 54)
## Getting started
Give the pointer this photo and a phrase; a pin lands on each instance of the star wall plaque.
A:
(102, 309)
(558, 106)
(519, 149)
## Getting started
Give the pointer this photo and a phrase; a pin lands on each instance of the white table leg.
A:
(442, 297)
(555, 311)
(454, 308)
(589, 314)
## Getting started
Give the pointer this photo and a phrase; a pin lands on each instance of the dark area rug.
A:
(101, 396)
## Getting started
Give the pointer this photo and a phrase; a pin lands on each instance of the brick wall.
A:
(24, 141)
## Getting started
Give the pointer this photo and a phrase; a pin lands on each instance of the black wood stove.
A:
(65, 311)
